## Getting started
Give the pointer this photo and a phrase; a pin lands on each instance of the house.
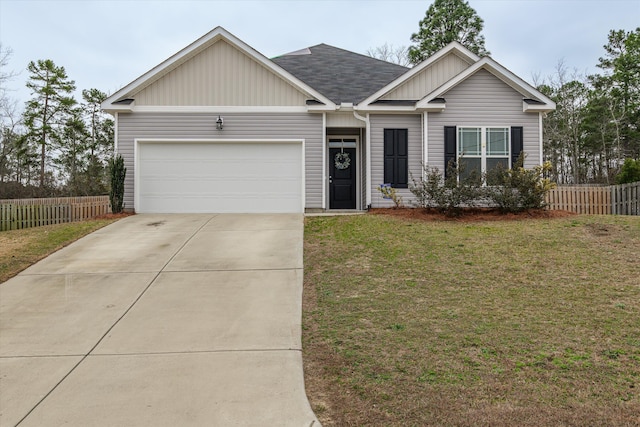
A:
(218, 127)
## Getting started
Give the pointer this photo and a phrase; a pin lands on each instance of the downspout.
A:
(115, 134)
(541, 136)
(367, 156)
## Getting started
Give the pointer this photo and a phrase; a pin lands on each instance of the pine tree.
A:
(447, 21)
(47, 112)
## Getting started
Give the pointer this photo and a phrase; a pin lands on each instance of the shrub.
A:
(518, 189)
(448, 195)
(388, 192)
(117, 173)
(630, 172)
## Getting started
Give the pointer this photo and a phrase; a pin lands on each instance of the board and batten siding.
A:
(379, 122)
(483, 100)
(418, 86)
(194, 126)
(230, 77)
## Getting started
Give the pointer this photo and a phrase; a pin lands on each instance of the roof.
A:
(338, 74)
(331, 76)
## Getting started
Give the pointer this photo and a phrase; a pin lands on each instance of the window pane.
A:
(469, 142)
(493, 162)
(497, 142)
(469, 166)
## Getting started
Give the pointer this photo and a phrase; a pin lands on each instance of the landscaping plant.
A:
(117, 172)
(389, 192)
(449, 195)
(517, 189)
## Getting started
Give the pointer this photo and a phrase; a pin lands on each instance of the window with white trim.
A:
(481, 149)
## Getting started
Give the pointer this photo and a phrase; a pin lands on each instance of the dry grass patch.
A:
(425, 323)
(21, 248)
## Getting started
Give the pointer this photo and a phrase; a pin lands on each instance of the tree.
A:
(447, 21)
(621, 83)
(390, 53)
(7, 121)
(100, 146)
(630, 172)
(48, 111)
(563, 128)
(72, 143)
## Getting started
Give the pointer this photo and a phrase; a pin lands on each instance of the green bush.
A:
(517, 189)
(630, 172)
(117, 173)
(448, 195)
(389, 192)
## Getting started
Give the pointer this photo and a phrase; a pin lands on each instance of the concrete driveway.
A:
(159, 320)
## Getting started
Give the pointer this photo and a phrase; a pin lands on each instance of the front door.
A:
(342, 178)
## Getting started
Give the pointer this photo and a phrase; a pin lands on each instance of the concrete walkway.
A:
(159, 320)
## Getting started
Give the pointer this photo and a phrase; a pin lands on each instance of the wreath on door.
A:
(342, 160)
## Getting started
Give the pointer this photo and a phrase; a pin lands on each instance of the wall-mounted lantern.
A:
(219, 123)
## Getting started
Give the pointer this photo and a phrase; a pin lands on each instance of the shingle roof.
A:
(338, 74)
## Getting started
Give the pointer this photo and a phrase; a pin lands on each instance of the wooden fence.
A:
(621, 199)
(16, 214)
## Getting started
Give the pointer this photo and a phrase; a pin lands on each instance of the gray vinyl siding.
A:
(236, 126)
(411, 122)
(482, 100)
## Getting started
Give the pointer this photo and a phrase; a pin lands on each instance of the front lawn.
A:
(21, 248)
(526, 322)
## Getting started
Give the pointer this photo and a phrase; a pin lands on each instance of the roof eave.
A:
(538, 108)
(387, 108)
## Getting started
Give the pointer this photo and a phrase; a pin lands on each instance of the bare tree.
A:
(390, 53)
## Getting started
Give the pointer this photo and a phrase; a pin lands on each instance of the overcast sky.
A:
(108, 44)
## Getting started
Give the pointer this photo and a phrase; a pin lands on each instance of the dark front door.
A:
(342, 178)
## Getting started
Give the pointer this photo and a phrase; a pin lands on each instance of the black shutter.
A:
(389, 157)
(402, 158)
(516, 144)
(449, 147)
(396, 157)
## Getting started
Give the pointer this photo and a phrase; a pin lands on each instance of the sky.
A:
(107, 44)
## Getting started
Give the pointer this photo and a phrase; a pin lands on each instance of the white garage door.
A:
(225, 177)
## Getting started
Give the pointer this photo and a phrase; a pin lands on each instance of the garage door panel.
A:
(220, 177)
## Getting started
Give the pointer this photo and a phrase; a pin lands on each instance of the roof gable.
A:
(527, 91)
(339, 74)
(422, 83)
(207, 62)
(424, 77)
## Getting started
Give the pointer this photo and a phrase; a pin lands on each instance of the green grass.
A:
(528, 322)
(21, 248)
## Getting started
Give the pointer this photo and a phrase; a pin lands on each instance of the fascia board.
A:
(208, 39)
(545, 108)
(115, 108)
(458, 48)
(386, 108)
(497, 70)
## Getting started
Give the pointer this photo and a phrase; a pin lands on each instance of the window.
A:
(396, 159)
(481, 149)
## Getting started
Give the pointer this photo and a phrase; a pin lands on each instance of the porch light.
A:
(219, 123)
